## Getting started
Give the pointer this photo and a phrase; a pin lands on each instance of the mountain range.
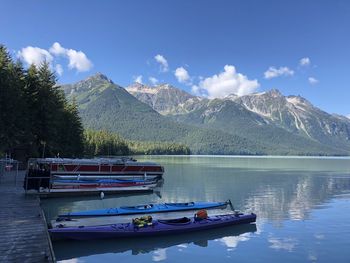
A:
(259, 123)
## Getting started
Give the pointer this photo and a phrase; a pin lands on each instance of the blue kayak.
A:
(150, 208)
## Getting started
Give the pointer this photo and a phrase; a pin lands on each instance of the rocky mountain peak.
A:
(137, 85)
(298, 100)
(139, 88)
(96, 81)
(163, 98)
(231, 97)
(99, 77)
(274, 93)
(165, 86)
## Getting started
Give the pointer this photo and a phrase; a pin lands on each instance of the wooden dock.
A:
(24, 236)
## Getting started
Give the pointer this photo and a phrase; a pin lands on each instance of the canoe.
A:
(150, 208)
(157, 227)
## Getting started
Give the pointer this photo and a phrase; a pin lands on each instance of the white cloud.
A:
(153, 80)
(348, 116)
(78, 60)
(35, 55)
(57, 49)
(59, 69)
(225, 83)
(182, 75)
(164, 67)
(305, 61)
(138, 79)
(273, 72)
(313, 81)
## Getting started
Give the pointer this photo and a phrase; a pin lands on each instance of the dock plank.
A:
(23, 230)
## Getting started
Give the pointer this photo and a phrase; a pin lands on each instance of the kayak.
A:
(150, 208)
(108, 220)
(156, 227)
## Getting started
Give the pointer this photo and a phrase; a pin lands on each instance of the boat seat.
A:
(178, 221)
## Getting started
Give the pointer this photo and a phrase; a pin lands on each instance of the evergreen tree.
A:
(32, 92)
(34, 113)
(72, 138)
(13, 121)
(104, 143)
(49, 111)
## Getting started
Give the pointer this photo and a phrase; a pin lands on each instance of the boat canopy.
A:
(94, 161)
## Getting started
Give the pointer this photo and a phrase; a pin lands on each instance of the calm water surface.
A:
(303, 208)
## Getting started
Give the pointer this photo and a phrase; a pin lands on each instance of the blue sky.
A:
(215, 47)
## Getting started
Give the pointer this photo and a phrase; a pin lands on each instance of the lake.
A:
(302, 204)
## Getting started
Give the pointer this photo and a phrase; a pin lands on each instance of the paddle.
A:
(230, 203)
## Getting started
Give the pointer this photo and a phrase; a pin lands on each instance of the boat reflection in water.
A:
(75, 249)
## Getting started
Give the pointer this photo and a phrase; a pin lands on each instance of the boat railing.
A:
(32, 170)
(96, 161)
(37, 178)
(86, 161)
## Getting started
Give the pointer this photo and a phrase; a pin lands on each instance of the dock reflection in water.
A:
(77, 249)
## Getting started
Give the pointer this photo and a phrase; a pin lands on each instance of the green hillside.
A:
(234, 119)
(210, 127)
(107, 106)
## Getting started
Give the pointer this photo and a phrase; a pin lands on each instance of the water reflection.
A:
(230, 237)
(287, 244)
(293, 198)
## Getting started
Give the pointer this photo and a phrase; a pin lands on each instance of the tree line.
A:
(34, 113)
(36, 118)
(107, 143)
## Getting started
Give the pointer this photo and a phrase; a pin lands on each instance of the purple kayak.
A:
(156, 227)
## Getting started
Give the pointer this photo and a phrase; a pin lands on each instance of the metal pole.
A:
(26, 176)
(44, 150)
(16, 173)
(50, 180)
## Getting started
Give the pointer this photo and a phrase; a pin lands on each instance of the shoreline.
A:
(251, 156)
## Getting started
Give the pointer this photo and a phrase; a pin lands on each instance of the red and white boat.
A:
(111, 168)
